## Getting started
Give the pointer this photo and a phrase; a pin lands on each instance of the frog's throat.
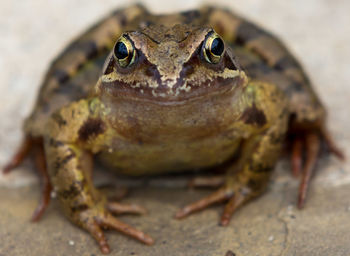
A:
(183, 90)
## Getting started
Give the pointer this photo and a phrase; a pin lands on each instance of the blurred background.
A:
(33, 32)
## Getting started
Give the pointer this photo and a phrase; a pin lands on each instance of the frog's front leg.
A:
(74, 134)
(249, 175)
(244, 180)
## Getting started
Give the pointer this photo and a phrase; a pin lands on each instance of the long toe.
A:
(118, 208)
(111, 222)
(218, 196)
(312, 153)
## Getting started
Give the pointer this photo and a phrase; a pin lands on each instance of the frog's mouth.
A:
(183, 90)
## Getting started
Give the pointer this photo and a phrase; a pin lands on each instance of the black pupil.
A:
(121, 51)
(217, 46)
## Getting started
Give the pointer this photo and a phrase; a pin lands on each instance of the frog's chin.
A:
(176, 117)
(179, 93)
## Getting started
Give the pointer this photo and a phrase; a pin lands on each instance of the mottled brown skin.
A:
(170, 109)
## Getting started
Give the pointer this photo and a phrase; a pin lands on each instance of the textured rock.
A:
(33, 32)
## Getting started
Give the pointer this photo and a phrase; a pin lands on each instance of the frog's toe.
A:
(46, 186)
(296, 156)
(235, 198)
(331, 145)
(209, 182)
(218, 196)
(97, 233)
(43, 203)
(308, 146)
(22, 152)
(235, 202)
(312, 148)
(36, 145)
(111, 222)
(118, 208)
(303, 144)
(95, 223)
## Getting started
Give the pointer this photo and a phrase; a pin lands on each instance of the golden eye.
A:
(213, 48)
(124, 52)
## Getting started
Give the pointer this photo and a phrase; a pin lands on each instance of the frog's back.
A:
(264, 57)
(73, 74)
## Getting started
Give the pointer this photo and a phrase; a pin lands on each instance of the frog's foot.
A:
(28, 145)
(96, 219)
(309, 144)
(22, 152)
(234, 197)
(46, 188)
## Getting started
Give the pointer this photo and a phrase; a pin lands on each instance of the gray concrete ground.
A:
(34, 31)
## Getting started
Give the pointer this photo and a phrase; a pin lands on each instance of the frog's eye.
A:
(213, 48)
(124, 52)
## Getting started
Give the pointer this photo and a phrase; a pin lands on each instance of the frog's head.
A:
(184, 79)
(170, 65)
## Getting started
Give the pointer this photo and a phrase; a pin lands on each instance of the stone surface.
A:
(34, 31)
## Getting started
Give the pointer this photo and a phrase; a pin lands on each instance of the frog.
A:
(154, 94)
